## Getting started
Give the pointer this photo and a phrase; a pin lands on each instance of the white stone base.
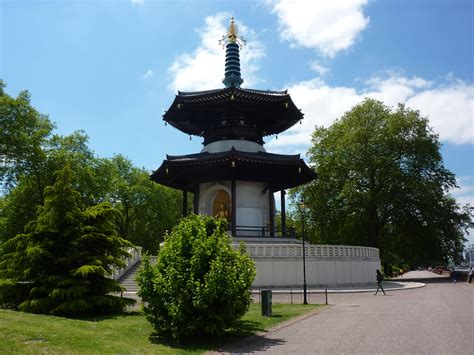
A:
(281, 264)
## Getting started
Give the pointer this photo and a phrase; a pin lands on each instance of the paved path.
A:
(436, 319)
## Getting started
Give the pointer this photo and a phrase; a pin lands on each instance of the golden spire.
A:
(232, 32)
(232, 35)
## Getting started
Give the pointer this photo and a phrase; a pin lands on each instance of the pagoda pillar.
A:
(271, 208)
(196, 200)
(234, 206)
(185, 203)
(283, 213)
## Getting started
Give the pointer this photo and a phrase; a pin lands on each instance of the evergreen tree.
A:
(60, 265)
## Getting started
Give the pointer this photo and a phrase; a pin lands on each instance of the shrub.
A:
(200, 285)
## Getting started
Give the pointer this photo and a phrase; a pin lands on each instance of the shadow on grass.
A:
(243, 329)
(102, 317)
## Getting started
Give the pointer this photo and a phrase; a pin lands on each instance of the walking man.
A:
(471, 272)
(379, 278)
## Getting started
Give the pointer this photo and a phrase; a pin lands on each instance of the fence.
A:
(294, 296)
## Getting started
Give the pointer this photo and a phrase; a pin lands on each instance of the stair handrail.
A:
(134, 258)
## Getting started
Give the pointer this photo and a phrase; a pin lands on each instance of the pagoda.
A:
(233, 176)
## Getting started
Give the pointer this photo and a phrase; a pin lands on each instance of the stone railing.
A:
(135, 257)
(317, 251)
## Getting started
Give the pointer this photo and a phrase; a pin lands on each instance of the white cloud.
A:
(450, 110)
(204, 68)
(329, 26)
(137, 2)
(448, 105)
(465, 192)
(318, 68)
(148, 74)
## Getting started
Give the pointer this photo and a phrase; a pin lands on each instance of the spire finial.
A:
(232, 42)
(232, 32)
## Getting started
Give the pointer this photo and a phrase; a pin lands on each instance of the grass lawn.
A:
(126, 333)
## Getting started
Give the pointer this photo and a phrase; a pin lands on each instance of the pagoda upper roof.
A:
(213, 91)
(203, 113)
(279, 171)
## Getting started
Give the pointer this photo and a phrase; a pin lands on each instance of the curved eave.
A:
(273, 111)
(278, 171)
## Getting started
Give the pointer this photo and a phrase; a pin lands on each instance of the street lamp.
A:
(302, 206)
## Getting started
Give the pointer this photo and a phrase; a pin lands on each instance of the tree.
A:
(24, 131)
(148, 209)
(93, 178)
(199, 285)
(61, 264)
(382, 183)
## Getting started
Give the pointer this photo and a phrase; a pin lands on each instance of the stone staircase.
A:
(127, 280)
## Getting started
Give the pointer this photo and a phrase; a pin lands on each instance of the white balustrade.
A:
(312, 251)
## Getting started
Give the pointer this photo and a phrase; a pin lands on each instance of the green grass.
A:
(129, 333)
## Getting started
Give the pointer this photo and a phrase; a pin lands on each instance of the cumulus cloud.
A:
(204, 68)
(449, 106)
(328, 26)
(450, 110)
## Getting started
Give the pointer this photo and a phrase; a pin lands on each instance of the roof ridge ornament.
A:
(232, 43)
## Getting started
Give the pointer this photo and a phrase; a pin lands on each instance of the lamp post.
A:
(302, 206)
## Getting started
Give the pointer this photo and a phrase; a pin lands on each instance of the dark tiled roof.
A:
(279, 171)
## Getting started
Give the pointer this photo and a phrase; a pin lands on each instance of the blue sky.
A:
(111, 68)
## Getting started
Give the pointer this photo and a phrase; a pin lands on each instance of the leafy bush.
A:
(200, 285)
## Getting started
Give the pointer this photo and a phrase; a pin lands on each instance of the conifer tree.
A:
(60, 265)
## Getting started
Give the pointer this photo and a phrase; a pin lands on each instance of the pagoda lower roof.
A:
(196, 113)
(280, 172)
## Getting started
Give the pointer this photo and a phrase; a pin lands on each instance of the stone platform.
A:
(280, 264)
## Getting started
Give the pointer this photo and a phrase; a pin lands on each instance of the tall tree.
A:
(63, 260)
(148, 209)
(382, 183)
(22, 135)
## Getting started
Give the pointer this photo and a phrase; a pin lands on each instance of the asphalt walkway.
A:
(436, 319)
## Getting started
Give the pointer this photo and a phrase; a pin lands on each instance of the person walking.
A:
(379, 279)
(471, 273)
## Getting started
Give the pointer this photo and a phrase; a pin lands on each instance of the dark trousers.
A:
(379, 287)
(470, 278)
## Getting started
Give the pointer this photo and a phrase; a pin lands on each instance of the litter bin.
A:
(266, 297)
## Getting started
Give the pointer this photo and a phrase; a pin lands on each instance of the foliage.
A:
(65, 257)
(24, 131)
(148, 209)
(382, 183)
(30, 155)
(199, 284)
